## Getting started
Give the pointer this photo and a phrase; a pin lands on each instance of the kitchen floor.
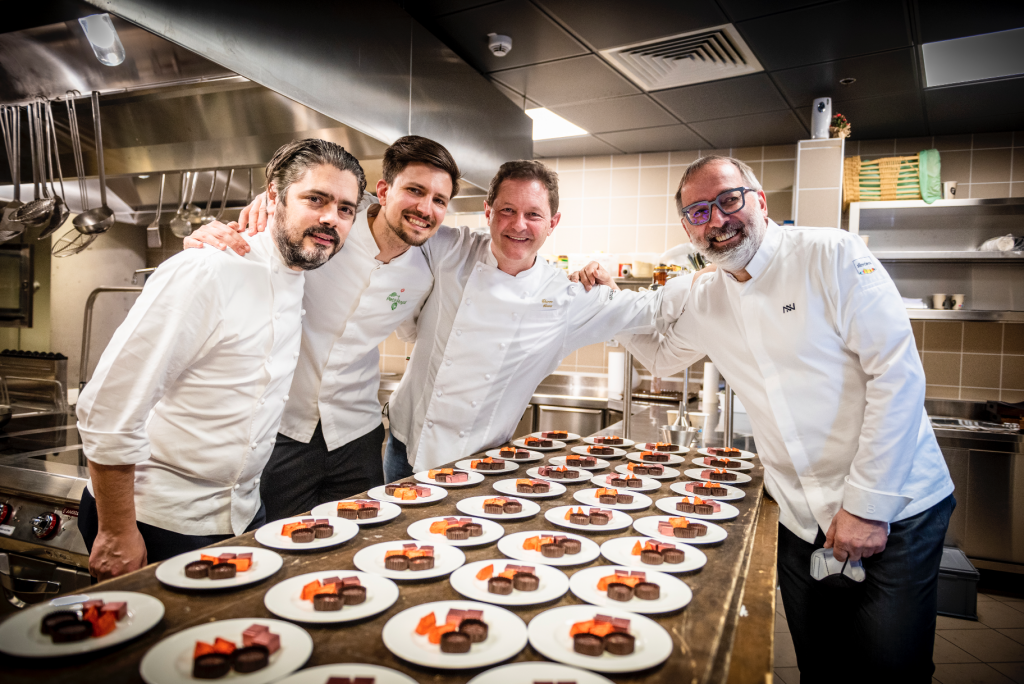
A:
(989, 651)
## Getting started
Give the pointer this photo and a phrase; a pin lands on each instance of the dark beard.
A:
(293, 253)
(401, 232)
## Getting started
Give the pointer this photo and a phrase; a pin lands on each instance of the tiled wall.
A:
(972, 361)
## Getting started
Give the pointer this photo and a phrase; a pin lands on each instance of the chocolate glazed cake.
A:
(619, 643)
(456, 642)
(647, 591)
(588, 644)
(475, 629)
(211, 666)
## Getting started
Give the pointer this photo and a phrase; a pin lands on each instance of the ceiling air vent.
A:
(706, 55)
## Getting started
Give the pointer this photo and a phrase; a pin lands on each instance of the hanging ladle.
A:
(60, 207)
(10, 121)
(98, 220)
(36, 213)
(205, 216)
(180, 226)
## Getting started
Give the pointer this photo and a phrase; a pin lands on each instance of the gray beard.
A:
(737, 257)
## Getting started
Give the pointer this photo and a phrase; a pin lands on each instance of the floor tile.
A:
(788, 675)
(986, 597)
(1014, 671)
(1015, 634)
(785, 654)
(781, 624)
(943, 623)
(988, 646)
(969, 673)
(1000, 615)
(946, 652)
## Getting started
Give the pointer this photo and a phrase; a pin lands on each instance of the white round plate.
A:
(283, 599)
(674, 592)
(672, 458)
(667, 474)
(619, 520)
(321, 674)
(475, 477)
(20, 633)
(506, 636)
(726, 512)
(649, 446)
(512, 546)
(420, 530)
(553, 584)
(388, 511)
(270, 534)
(436, 494)
(509, 487)
(475, 506)
(626, 443)
(582, 479)
(540, 435)
(464, 465)
(371, 559)
(695, 473)
(620, 552)
(264, 564)
(734, 464)
(649, 526)
(536, 670)
(582, 451)
(555, 445)
(647, 484)
(534, 456)
(743, 454)
(170, 661)
(588, 497)
(731, 493)
(599, 463)
(549, 634)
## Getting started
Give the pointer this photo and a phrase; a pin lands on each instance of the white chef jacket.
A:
(192, 386)
(354, 302)
(818, 346)
(486, 339)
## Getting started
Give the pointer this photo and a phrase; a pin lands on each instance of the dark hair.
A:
(293, 159)
(411, 149)
(745, 171)
(526, 169)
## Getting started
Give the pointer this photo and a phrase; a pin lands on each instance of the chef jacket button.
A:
(285, 398)
(430, 423)
(462, 433)
(473, 403)
(277, 316)
(274, 441)
(487, 376)
(238, 486)
(501, 344)
(468, 302)
(295, 355)
(448, 362)
(274, 269)
(302, 313)
(263, 400)
(256, 481)
(255, 444)
(515, 315)
(438, 392)
(458, 333)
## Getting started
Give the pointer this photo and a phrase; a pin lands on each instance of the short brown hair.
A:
(411, 149)
(293, 159)
(748, 175)
(529, 170)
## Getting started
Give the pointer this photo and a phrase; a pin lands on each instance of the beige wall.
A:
(973, 360)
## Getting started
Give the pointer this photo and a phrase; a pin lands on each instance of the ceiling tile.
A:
(883, 73)
(768, 128)
(946, 19)
(660, 139)
(572, 147)
(568, 81)
(718, 99)
(611, 23)
(976, 108)
(535, 37)
(738, 10)
(825, 33)
(900, 115)
(512, 95)
(616, 114)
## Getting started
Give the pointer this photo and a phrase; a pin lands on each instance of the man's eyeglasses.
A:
(728, 202)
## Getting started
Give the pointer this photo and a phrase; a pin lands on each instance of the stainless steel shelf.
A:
(936, 256)
(965, 315)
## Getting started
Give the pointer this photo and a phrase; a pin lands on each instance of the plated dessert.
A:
(543, 547)
(655, 456)
(723, 462)
(602, 633)
(331, 596)
(613, 440)
(517, 577)
(514, 452)
(94, 619)
(539, 442)
(358, 509)
(222, 567)
(411, 556)
(592, 516)
(682, 528)
(457, 529)
(601, 450)
(623, 585)
(718, 475)
(459, 631)
(656, 553)
(407, 491)
(553, 546)
(448, 476)
(581, 461)
(506, 582)
(555, 434)
(528, 486)
(706, 488)
(613, 496)
(649, 469)
(498, 507)
(698, 505)
(306, 530)
(487, 464)
(334, 592)
(217, 659)
(558, 473)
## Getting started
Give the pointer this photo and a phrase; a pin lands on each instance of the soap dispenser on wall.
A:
(821, 117)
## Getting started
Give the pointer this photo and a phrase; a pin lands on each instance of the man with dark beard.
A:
(181, 414)
(811, 333)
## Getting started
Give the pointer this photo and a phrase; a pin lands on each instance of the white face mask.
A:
(733, 258)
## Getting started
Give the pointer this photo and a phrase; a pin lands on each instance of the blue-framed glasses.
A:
(728, 202)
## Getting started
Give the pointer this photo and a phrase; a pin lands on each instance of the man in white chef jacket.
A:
(498, 321)
(811, 332)
(183, 408)
(331, 435)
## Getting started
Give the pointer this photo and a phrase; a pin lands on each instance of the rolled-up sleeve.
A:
(177, 317)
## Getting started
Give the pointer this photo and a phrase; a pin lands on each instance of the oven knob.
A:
(45, 525)
(5, 513)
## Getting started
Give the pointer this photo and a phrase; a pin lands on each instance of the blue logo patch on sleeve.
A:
(864, 265)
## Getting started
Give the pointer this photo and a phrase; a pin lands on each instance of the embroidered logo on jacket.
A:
(396, 300)
(547, 303)
(864, 265)
(789, 307)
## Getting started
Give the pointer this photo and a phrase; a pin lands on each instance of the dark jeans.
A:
(161, 544)
(300, 476)
(881, 629)
(396, 461)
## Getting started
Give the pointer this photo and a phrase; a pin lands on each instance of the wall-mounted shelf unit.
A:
(990, 257)
(966, 315)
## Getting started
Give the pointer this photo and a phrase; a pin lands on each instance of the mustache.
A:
(322, 230)
(426, 219)
(726, 228)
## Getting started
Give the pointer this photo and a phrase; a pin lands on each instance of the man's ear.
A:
(487, 212)
(554, 222)
(382, 191)
(272, 194)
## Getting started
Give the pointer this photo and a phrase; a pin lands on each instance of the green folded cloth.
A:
(930, 171)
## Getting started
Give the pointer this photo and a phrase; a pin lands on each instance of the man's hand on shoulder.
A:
(219, 235)
(117, 554)
(853, 537)
(710, 268)
(593, 274)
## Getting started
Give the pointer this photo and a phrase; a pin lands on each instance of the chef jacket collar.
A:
(769, 246)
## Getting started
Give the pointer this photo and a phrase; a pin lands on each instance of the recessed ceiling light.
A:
(847, 81)
(548, 125)
(974, 58)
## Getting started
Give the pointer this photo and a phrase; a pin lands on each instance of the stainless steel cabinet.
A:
(582, 421)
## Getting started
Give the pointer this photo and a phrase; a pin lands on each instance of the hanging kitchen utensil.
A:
(206, 216)
(72, 241)
(224, 197)
(76, 148)
(192, 210)
(36, 213)
(153, 229)
(98, 220)
(60, 207)
(180, 226)
(11, 118)
(248, 200)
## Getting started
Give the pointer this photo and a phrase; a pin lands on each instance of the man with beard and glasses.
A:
(812, 334)
(182, 410)
(330, 439)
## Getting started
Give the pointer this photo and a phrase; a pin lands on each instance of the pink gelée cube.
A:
(119, 609)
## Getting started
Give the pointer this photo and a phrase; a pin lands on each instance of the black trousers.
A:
(300, 476)
(161, 544)
(882, 629)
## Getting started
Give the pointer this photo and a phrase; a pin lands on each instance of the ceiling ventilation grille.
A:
(705, 55)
